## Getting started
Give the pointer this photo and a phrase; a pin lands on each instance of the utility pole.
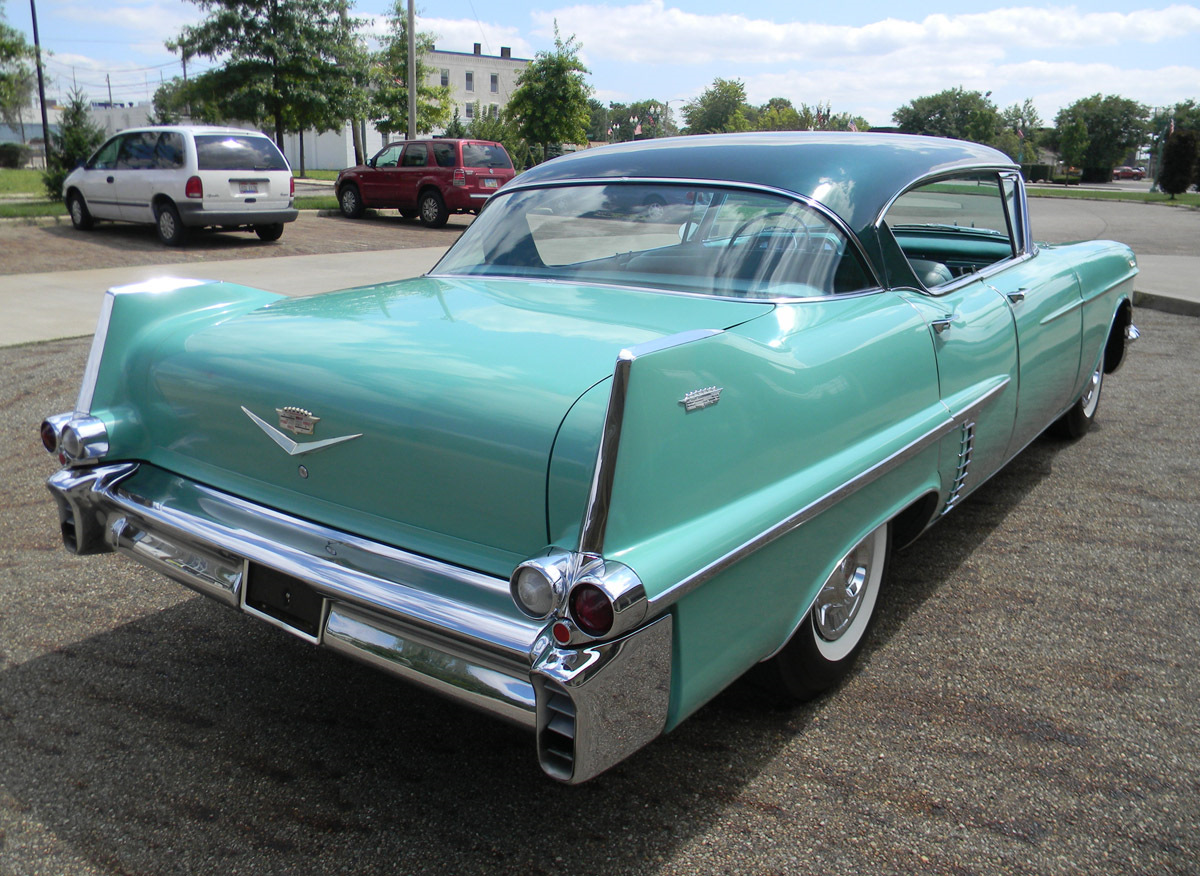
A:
(108, 81)
(412, 73)
(37, 46)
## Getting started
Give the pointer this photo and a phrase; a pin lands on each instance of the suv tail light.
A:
(194, 188)
(292, 182)
(460, 177)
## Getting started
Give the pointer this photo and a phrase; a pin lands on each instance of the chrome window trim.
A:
(674, 593)
(595, 516)
(940, 174)
(515, 187)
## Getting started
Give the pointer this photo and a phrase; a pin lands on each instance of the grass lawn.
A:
(20, 182)
(1188, 199)
(26, 209)
(330, 175)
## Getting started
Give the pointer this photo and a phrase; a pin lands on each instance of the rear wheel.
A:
(170, 227)
(81, 218)
(433, 210)
(1076, 422)
(269, 232)
(350, 201)
(825, 646)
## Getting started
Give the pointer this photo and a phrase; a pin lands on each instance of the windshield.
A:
(706, 240)
(237, 152)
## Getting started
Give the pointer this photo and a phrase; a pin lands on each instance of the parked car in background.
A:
(181, 177)
(426, 179)
(1128, 173)
(602, 461)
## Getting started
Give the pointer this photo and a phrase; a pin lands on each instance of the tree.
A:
(389, 81)
(287, 63)
(1180, 155)
(1073, 144)
(640, 120)
(722, 108)
(1115, 126)
(16, 76)
(77, 138)
(955, 112)
(550, 103)
(1019, 132)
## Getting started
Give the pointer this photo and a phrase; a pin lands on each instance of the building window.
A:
(495, 83)
(470, 81)
(469, 110)
(445, 77)
(493, 111)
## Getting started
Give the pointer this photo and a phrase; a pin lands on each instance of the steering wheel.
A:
(765, 227)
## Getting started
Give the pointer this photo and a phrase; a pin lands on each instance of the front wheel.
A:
(81, 217)
(433, 210)
(170, 227)
(1076, 422)
(825, 646)
(274, 231)
(350, 201)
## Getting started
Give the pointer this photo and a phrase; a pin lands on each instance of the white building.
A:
(476, 77)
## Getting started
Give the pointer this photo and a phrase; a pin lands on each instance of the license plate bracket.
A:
(287, 600)
(248, 188)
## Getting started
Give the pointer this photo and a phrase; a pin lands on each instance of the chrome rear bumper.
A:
(449, 629)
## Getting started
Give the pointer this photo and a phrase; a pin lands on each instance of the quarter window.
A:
(955, 226)
(168, 154)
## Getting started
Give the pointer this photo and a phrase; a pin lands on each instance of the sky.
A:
(865, 58)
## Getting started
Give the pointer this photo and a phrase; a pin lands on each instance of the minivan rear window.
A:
(237, 152)
(485, 155)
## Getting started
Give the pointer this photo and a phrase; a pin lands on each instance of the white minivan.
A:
(185, 176)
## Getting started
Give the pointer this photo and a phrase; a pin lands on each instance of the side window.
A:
(443, 154)
(416, 155)
(137, 151)
(955, 226)
(469, 111)
(106, 156)
(389, 157)
(168, 153)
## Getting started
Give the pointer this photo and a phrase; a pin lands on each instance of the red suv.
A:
(429, 179)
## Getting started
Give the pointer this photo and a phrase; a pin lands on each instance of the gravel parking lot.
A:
(1027, 704)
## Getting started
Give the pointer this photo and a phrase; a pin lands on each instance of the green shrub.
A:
(13, 155)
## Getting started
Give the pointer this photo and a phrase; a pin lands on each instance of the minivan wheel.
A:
(170, 227)
(350, 201)
(269, 232)
(80, 217)
(433, 210)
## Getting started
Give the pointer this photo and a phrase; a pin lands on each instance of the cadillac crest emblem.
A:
(297, 420)
(700, 398)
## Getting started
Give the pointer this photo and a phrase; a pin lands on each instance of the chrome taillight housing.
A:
(585, 596)
(76, 439)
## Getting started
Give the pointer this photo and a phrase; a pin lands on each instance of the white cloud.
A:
(679, 37)
(460, 35)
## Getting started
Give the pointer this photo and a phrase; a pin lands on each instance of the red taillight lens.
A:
(460, 177)
(591, 609)
(194, 188)
(293, 186)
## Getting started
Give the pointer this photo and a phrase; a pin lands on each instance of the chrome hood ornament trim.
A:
(297, 420)
(295, 448)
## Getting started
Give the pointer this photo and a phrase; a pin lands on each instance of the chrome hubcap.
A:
(166, 224)
(841, 597)
(348, 202)
(429, 209)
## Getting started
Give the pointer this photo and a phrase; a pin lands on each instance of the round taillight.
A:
(49, 437)
(591, 609)
(533, 592)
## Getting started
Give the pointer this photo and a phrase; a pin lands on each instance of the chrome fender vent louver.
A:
(964, 463)
(556, 733)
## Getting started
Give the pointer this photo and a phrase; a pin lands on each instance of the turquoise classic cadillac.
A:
(658, 417)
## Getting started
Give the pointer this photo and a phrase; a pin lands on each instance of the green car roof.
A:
(854, 174)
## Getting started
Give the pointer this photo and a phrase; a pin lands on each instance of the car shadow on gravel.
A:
(199, 740)
(127, 237)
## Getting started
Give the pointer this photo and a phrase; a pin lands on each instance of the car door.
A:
(136, 162)
(98, 181)
(413, 169)
(380, 182)
(1047, 311)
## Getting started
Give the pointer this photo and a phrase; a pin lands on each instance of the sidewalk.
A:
(63, 304)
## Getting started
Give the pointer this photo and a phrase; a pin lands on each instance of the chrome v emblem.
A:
(295, 448)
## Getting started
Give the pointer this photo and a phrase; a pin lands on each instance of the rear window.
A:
(485, 155)
(237, 152)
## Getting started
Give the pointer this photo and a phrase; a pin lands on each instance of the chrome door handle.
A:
(1017, 297)
(942, 325)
